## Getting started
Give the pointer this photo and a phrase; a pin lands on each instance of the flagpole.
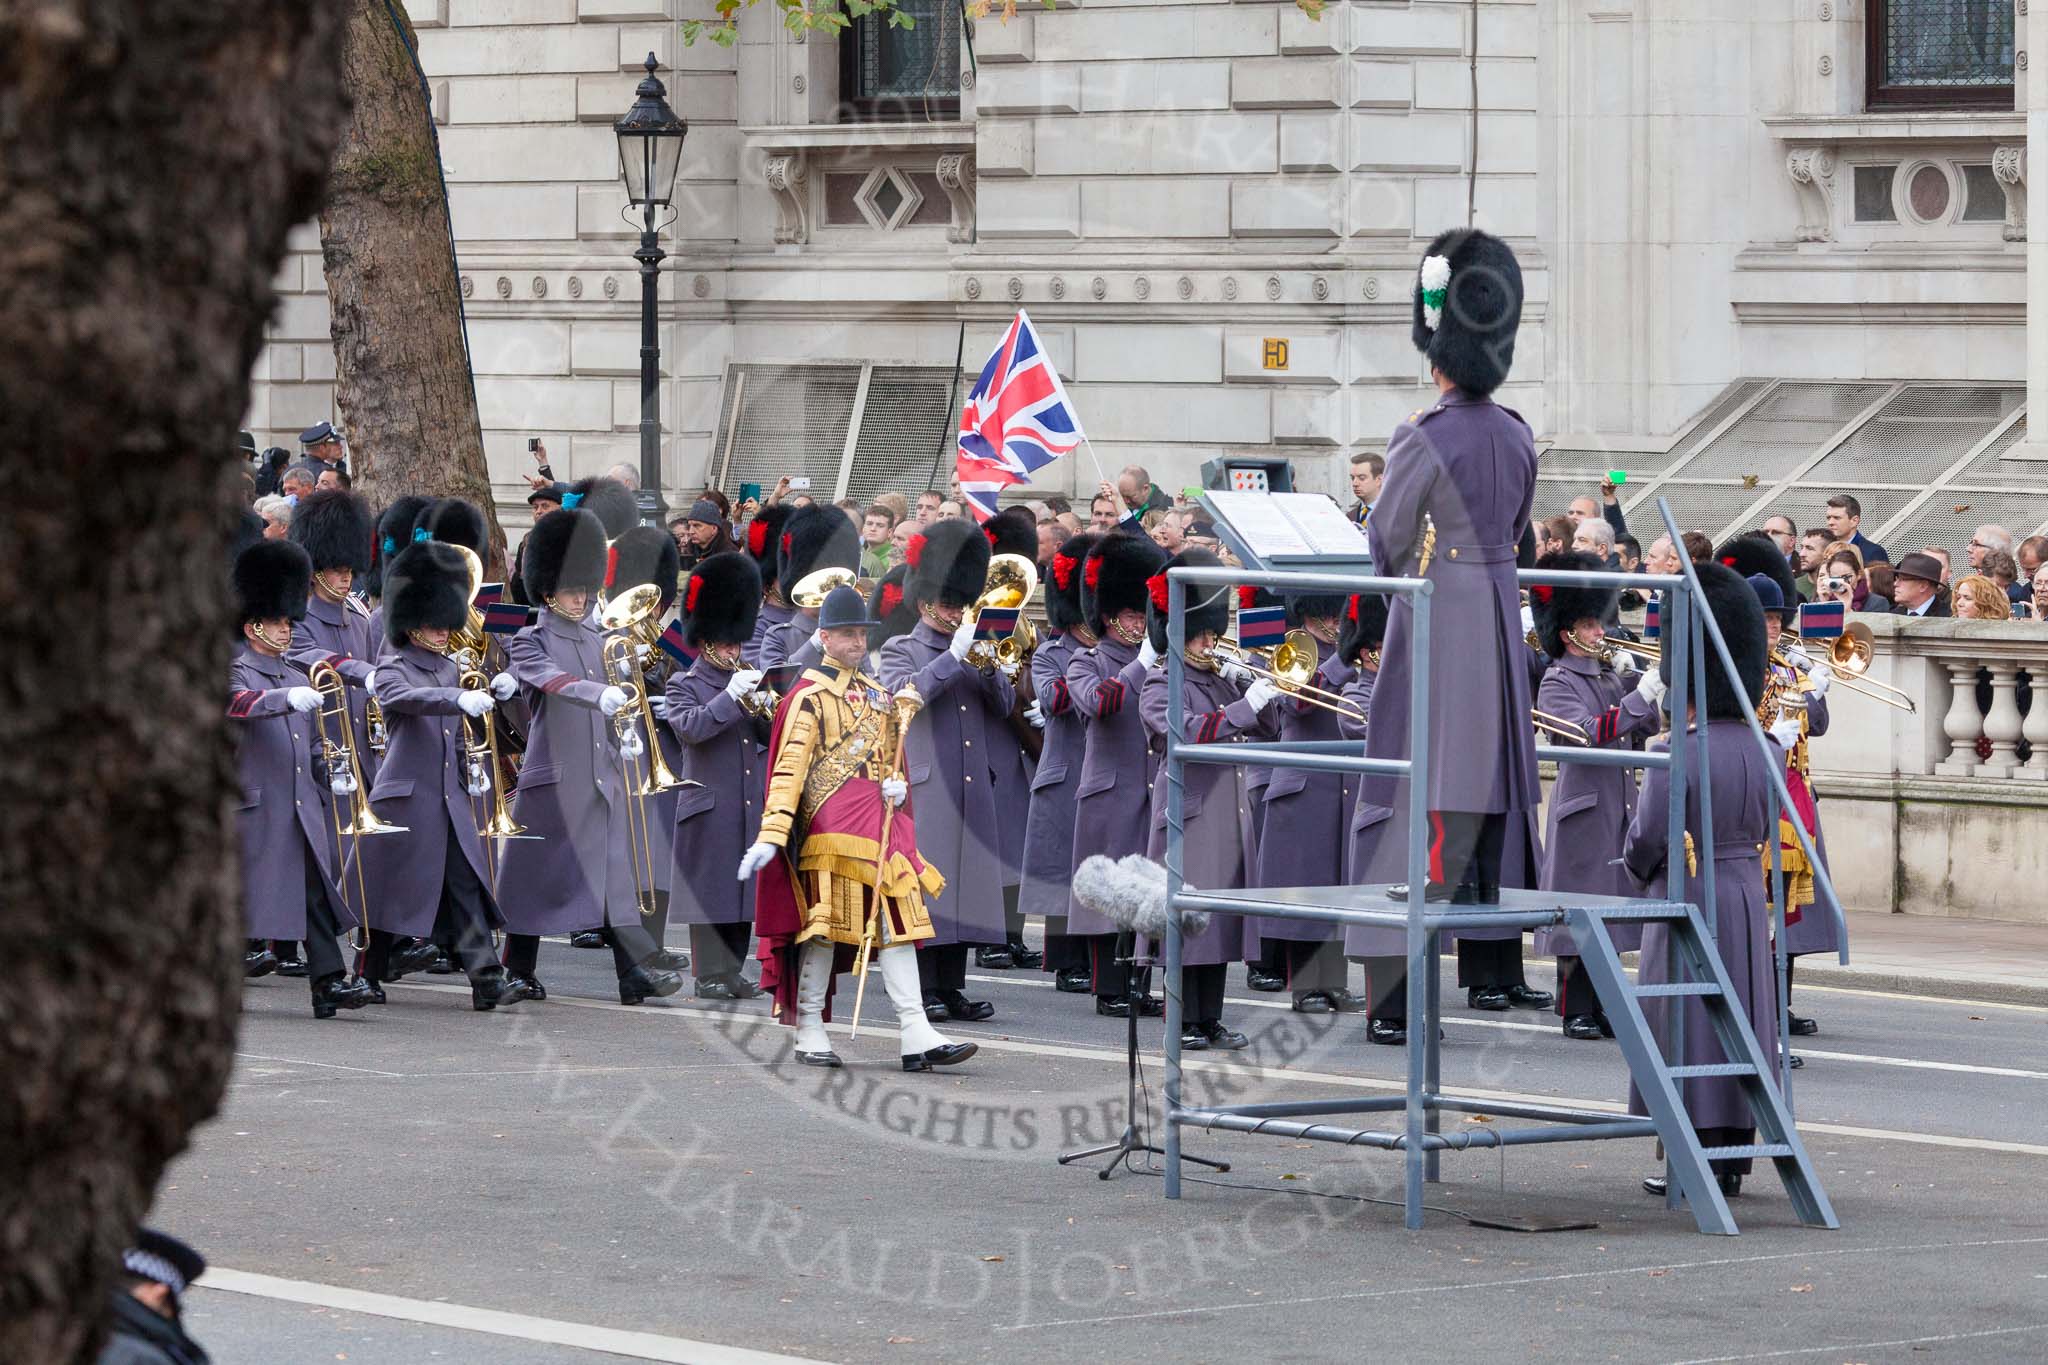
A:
(948, 427)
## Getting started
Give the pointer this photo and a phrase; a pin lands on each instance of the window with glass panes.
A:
(1940, 53)
(890, 74)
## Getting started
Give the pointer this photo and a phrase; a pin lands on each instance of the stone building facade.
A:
(1771, 246)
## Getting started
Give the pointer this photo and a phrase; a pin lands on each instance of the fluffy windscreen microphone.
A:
(1131, 894)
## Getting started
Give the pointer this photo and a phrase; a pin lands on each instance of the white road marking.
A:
(329, 1066)
(1885, 1249)
(1867, 1345)
(1201, 1063)
(520, 1326)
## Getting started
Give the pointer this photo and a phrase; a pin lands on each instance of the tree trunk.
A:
(155, 154)
(401, 372)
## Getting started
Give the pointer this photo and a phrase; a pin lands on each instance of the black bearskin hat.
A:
(1208, 606)
(332, 525)
(948, 563)
(1741, 619)
(1113, 576)
(895, 614)
(764, 540)
(815, 537)
(246, 531)
(426, 587)
(1302, 605)
(610, 501)
(394, 533)
(270, 579)
(722, 601)
(1468, 328)
(646, 554)
(565, 549)
(1013, 531)
(453, 521)
(1557, 609)
(1757, 553)
(1364, 627)
(1063, 581)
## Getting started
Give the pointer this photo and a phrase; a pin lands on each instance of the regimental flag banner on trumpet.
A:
(672, 644)
(996, 623)
(1653, 621)
(1016, 421)
(507, 618)
(487, 594)
(1822, 620)
(1261, 627)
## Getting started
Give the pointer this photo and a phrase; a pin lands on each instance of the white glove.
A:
(1262, 693)
(370, 682)
(504, 687)
(895, 790)
(630, 746)
(658, 704)
(756, 858)
(1008, 670)
(1236, 674)
(1147, 656)
(1786, 732)
(1652, 688)
(963, 638)
(1798, 657)
(475, 703)
(644, 656)
(1528, 618)
(340, 780)
(1036, 715)
(1626, 663)
(611, 699)
(743, 681)
(302, 699)
(1818, 679)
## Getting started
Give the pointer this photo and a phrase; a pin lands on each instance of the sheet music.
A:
(1323, 524)
(1259, 519)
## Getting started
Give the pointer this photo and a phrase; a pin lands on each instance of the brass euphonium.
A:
(1011, 581)
(808, 593)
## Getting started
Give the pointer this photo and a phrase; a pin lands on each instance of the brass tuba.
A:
(1011, 582)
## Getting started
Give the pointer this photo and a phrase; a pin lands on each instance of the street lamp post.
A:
(650, 150)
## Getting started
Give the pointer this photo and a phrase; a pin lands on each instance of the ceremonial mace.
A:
(904, 706)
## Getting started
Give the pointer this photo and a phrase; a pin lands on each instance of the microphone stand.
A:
(1130, 1141)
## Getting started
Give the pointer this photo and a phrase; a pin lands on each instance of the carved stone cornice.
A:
(956, 177)
(2009, 164)
(786, 175)
(1812, 169)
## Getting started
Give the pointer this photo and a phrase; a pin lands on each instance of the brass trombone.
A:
(1289, 666)
(1850, 656)
(480, 756)
(345, 781)
(1011, 582)
(628, 622)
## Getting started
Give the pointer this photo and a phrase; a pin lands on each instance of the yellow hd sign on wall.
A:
(1274, 354)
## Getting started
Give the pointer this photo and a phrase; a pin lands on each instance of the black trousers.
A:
(323, 924)
(1490, 962)
(1386, 988)
(1465, 846)
(1201, 993)
(943, 969)
(1311, 966)
(1575, 994)
(1109, 965)
(719, 950)
(1013, 918)
(656, 924)
(1063, 950)
(631, 945)
(462, 921)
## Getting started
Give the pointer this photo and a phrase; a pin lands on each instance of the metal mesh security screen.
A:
(1992, 469)
(1946, 43)
(1917, 435)
(907, 423)
(1781, 433)
(792, 419)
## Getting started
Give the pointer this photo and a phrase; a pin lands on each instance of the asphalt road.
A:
(419, 1182)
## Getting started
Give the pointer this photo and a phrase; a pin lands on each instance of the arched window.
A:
(1940, 53)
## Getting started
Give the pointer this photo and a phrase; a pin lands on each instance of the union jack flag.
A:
(1018, 419)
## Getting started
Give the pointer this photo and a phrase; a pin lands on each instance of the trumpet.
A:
(809, 592)
(1011, 581)
(627, 620)
(1289, 666)
(345, 780)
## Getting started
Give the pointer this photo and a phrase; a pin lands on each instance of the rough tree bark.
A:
(153, 155)
(401, 374)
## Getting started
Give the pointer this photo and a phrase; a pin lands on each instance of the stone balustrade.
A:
(1918, 819)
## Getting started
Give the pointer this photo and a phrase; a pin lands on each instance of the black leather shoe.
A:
(742, 988)
(1112, 1009)
(934, 1008)
(1223, 1039)
(1801, 1027)
(1657, 1185)
(959, 1007)
(1259, 979)
(291, 966)
(489, 992)
(1030, 959)
(825, 1059)
(640, 983)
(1073, 981)
(1484, 893)
(530, 985)
(717, 988)
(413, 957)
(1192, 1039)
(1487, 998)
(1730, 1183)
(586, 938)
(262, 962)
(1434, 893)
(996, 958)
(1151, 1007)
(667, 960)
(1796, 1062)
(947, 1054)
(1311, 1002)
(1529, 999)
(442, 965)
(376, 992)
(338, 992)
(1389, 1032)
(1583, 1027)
(1345, 1001)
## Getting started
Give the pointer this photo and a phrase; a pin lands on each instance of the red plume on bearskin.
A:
(991, 537)
(1728, 560)
(1063, 571)
(757, 539)
(611, 566)
(690, 598)
(892, 597)
(1093, 575)
(915, 550)
(788, 538)
(1247, 597)
(1542, 592)
(1351, 608)
(1156, 585)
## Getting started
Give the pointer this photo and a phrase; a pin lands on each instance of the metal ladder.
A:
(1700, 973)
